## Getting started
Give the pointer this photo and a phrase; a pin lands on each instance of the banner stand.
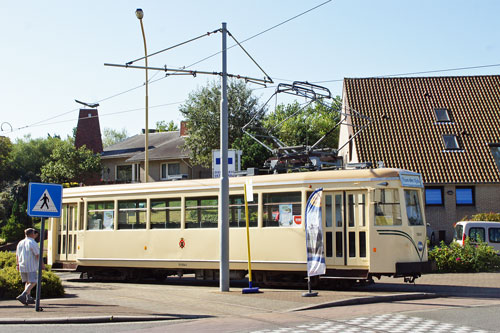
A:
(310, 293)
(314, 240)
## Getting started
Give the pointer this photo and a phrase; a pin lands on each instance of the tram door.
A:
(333, 215)
(345, 228)
(356, 228)
(67, 234)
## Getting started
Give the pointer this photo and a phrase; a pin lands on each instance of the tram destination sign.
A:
(411, 180)
(44, 200)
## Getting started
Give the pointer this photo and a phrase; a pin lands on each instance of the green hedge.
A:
(492, 217)
(472, 257)
(11, 284)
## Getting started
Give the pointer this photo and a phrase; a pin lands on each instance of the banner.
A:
(314, 235)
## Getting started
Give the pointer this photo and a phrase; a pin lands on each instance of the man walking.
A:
(27, 255)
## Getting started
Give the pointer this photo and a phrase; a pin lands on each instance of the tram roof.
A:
(314, 177)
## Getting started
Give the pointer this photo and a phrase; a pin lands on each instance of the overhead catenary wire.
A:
(206, 34)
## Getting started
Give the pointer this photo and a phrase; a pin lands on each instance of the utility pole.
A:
(224, 176)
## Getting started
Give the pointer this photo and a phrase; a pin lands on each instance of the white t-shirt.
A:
(27, 250)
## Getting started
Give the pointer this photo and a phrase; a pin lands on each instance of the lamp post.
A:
(140, 14)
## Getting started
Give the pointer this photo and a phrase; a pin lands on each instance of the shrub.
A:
(493, 217)
(7, 259)
(472, 257)
(11, 284)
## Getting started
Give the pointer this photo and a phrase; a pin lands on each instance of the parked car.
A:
(488, 232)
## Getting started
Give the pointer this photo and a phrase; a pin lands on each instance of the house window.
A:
(434, 196)
(495, 151)
(124, 173)
(450, 142)
(128, 173)
(442, 115)
(170, 169)
(465, 196)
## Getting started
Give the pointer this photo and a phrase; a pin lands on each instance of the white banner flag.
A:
(314, 235)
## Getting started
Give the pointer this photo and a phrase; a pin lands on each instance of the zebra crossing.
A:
(393, 323)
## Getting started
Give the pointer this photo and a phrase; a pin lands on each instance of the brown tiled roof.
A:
(404, 132)
(162, 146)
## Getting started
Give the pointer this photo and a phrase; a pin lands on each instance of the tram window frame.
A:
(126, 212)
(171, 208)
(102, 209)
(415, 216)
(382, 217)
(237, 208)
(203, 207)
(275, 204)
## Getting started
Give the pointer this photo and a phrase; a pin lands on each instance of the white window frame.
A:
(165, 176)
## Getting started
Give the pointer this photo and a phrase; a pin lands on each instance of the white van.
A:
(488, 232)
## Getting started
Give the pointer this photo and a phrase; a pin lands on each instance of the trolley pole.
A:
(224, 177)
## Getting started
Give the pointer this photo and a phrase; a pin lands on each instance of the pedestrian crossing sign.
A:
(44, 200)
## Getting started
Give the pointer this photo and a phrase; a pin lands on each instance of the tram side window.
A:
(202, 212)
(100, 215)
(166, 214)
(237, 211)
(387, 207)
(132, 214)
(282, 209)
(413, 208)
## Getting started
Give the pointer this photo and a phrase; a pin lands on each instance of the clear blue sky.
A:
(53, 52)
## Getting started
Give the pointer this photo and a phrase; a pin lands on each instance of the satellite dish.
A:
(90, 105)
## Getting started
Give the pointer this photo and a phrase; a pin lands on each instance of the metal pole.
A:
(224, 176)
(146, 143)
(40, 265)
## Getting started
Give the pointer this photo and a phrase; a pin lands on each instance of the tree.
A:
(162, 126)
(68, 164)
(307, 126)
(28, 156)
(202, 114)
(111, 136)
(5, 149)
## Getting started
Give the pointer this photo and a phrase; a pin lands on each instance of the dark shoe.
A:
(30, 300)
(22, 299)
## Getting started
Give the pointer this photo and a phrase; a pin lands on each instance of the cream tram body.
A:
(373, 224)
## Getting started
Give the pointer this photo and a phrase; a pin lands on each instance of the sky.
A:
(54, 52)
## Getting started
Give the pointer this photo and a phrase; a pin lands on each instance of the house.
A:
(123, 162)
(446, 128)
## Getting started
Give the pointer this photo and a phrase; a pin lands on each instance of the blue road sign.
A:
(44, 200)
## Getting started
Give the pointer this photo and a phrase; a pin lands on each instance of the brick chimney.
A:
(184, 130)
(88, 131)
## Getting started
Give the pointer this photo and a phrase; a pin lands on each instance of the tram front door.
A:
(67, 230)
(345, 228)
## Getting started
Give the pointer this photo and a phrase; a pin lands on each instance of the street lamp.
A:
(140, 14)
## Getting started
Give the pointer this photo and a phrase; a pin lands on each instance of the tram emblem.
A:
(182, 243)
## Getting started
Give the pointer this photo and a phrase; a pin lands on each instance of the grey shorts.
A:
(29, 276)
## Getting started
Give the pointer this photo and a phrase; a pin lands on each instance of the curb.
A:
(370, 300)
(93, 320)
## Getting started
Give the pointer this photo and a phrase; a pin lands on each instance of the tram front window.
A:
(413, 208)
(387, 207)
